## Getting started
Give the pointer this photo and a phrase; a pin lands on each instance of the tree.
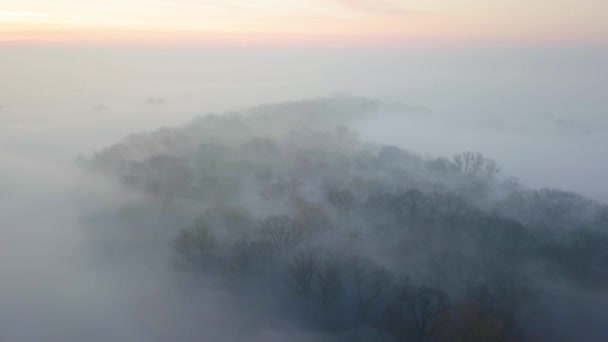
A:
(425, 304)
(310, 217)
(183, 243)
(228, 220)
(328, 280)
(415, 313)
(163, 176)
(210, 158)
(415, 203)
(262, 148)
(281, 231)
(472, 164)
(195, 245)
(242, 259)
(446, 204)
(442, 167)
(343, 200)
(395, 157)
(473, 323)
(603, 214)
(549, 208)
(279, 189)
(301, 270)
(203, 239)
(503, 295)
(370, 282)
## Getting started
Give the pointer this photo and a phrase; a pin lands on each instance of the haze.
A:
(356, 21)
(85, 257)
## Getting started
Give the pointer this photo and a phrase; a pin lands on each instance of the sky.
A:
(302, 21)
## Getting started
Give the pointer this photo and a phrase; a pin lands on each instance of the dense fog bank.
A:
(500, 100)
(330, 218)
(298, 221)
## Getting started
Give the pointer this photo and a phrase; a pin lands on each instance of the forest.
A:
(286, 209)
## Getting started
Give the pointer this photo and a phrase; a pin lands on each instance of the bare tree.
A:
(301, 270)
(311, 218)
(442, 166)
(183, 243)
(381, 280)
(203, 239)
(415, 313)
(475, 164)
(447, 204)
(164, 176)
(472, 323)
(370, 282)
(282, 231)
(241, 261)
(414, 202)
(196, 244)
(328, 281)
(603, 214)
(359, 272)
(424, 304)
(343, 200)
(229, 219)
(504, 295)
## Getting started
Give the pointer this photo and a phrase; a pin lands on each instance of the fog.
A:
(548, 100)
(85, 257)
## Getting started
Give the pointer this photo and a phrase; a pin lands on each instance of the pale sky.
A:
(303, 20)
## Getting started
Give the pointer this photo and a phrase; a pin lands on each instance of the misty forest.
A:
(288, 224)
(303, 171)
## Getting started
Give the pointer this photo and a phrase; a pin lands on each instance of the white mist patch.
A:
(538, 150)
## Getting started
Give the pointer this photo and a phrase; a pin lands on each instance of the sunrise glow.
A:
(297, 20)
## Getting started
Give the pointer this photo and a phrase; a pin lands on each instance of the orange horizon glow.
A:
(293, 21)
